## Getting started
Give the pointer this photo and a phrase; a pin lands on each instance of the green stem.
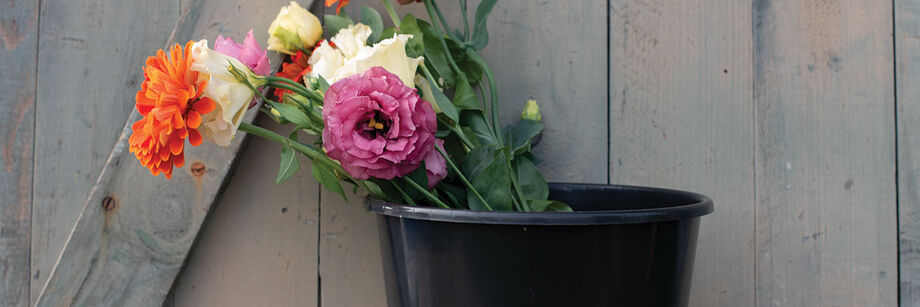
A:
(441, 18)
(425, 192)
(299, 90)
(466, 182)
(391, 11)
(466, 21)
(493, 94)
(437, 29)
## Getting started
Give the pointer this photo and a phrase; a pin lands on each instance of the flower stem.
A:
(391, 11)
(493, 94)
(466, 182)
(299, 90)
(466, 21)
(441, 18)
(425, 192)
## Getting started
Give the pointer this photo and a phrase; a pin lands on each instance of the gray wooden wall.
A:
(801, 119)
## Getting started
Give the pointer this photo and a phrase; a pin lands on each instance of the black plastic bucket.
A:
(624, 246)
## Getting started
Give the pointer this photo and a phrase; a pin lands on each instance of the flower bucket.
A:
(623, 246)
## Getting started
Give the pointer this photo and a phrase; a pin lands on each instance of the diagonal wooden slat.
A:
(130, 255)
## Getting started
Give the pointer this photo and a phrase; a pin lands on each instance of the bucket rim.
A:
(696, 206)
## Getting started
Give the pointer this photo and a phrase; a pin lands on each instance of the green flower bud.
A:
(532, 111)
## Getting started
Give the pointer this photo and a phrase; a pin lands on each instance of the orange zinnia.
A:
(170, 101)
(295, 70)
(342, 3)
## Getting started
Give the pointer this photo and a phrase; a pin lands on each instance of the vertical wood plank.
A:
(680, 117)
(825, 153)
(18, 46)
(554, 51)
(88, 73)
(259, 244)
(351, 269)
(907, 42)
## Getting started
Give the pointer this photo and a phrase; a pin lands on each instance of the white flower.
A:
(294, 28)
(231, 96)
(351, 55)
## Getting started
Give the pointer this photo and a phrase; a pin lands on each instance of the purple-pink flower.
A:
(376, 126)
(249, 53)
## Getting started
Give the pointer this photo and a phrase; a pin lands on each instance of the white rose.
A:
(325, 60)
(294, 28)
(352, 56)
(231, 96)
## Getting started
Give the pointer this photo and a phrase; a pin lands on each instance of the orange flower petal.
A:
(194, 119)
(194, 137)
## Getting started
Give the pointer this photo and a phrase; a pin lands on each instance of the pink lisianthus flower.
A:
(435, 165)
(249, 53)
(376, 126)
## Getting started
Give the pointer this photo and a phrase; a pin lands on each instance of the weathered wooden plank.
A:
(554, 52)
(907, 42)
(825, 153)
(18, 46)
(680, 117)
(130, 256)
(259, 245)
(88, 72)
(350, 265)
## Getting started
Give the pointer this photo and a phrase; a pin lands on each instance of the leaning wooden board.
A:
(18, 46)
(130, 255)
(103, 45)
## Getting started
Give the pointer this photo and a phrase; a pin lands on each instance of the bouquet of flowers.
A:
(407, 113)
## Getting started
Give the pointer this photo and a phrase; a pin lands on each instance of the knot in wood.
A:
(198, 169)
(109, 203)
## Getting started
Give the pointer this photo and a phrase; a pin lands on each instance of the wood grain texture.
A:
(907, 42)
(130, 256)
(18, 46)
(259, 244)
(553, 51)
(351, 270)
(88, 73)
(680, 117)
(825, 153)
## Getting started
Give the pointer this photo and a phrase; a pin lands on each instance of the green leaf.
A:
(292, 114)
(477, 160)
(334, 23)
(464, 98)
(520, 135)
(455, 194)
(371, 18)
(447, 107)
(475, 120)
(494, 184)
(472, 69)
(327, 177)
(480, 33)
(531, 182)
(435, 55)
(548, 206)
(289, 164)
(415, 47)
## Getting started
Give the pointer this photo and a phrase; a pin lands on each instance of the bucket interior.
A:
(583, 197)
